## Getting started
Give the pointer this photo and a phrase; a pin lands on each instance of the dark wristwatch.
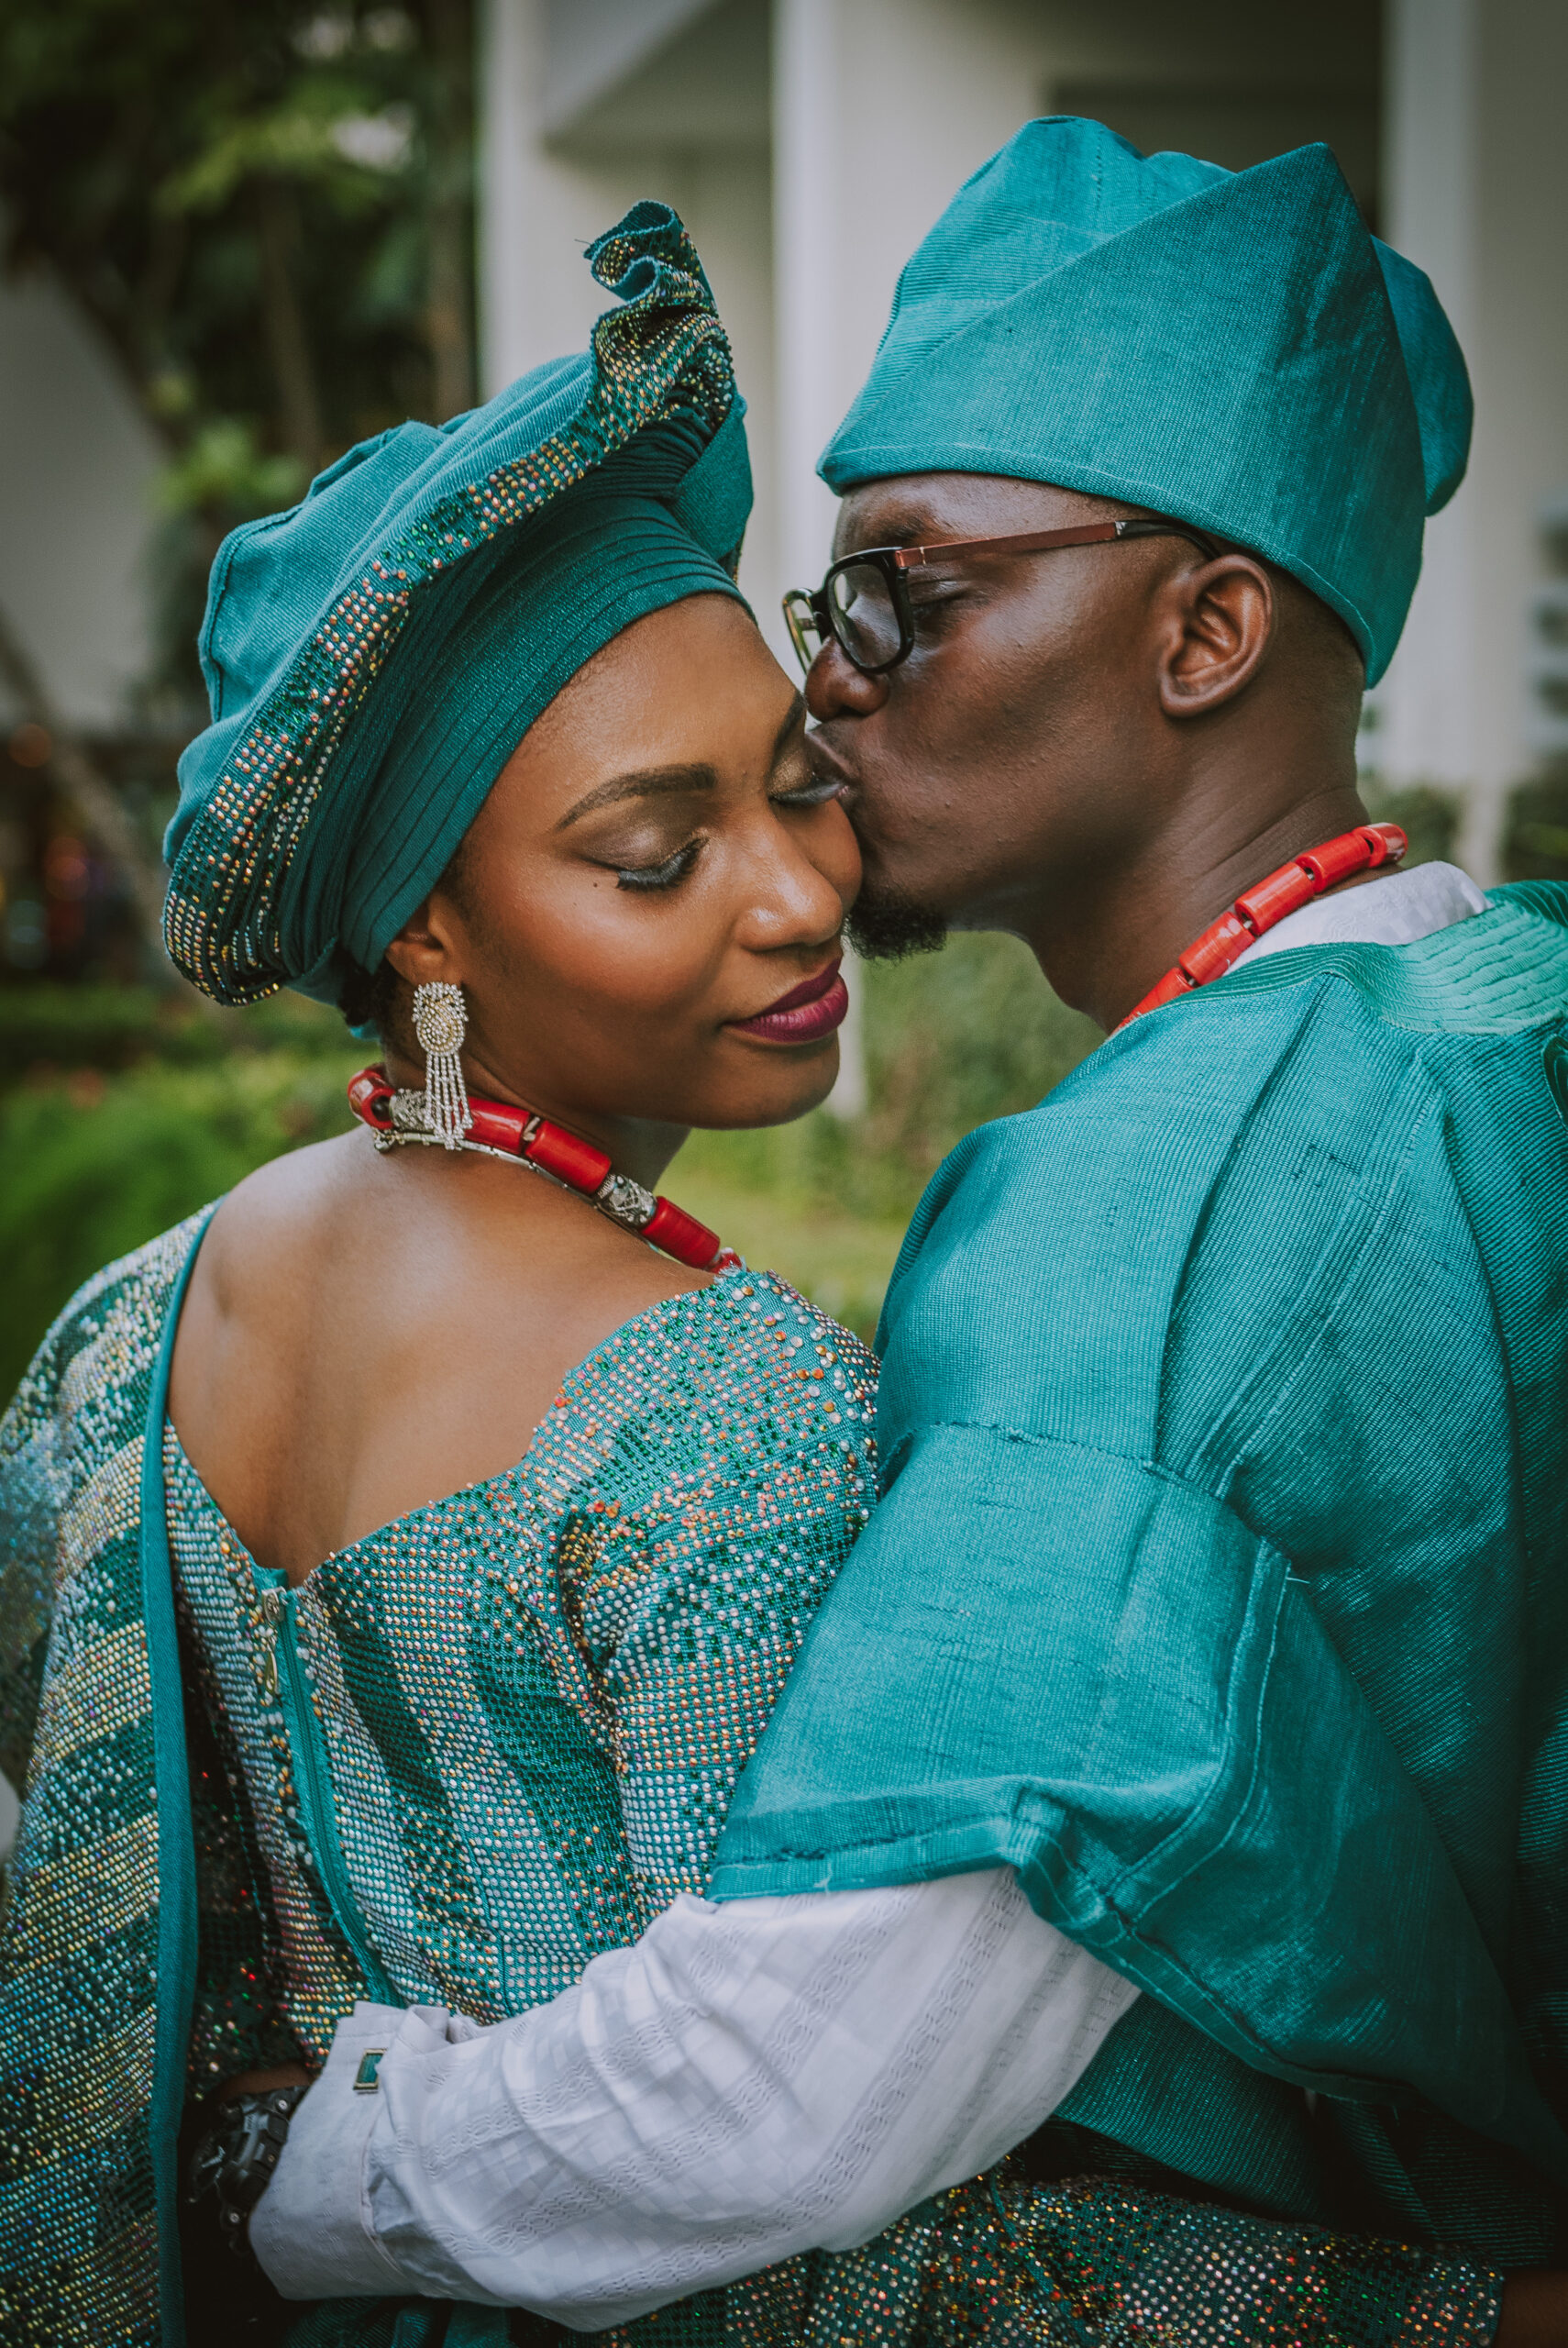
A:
(234, 2160)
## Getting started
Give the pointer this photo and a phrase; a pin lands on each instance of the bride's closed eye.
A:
(673, 870)
(815, 791)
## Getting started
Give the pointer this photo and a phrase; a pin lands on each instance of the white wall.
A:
(77, 466)
(1478, 178)
(546, 195)
(592, 45)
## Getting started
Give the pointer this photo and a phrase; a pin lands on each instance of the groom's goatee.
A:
(886, 925)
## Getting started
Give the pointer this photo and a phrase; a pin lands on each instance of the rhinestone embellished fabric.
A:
(1092, 2264)
(78, 1940)
(533, 1698)
(531, 1701)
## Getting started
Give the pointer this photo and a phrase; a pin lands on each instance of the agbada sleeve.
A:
(1101, 1677)
(1075, 1636)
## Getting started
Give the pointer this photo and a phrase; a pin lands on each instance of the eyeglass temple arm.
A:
(1086, 534)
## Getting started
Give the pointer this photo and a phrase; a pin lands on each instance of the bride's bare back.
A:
(363, 1335)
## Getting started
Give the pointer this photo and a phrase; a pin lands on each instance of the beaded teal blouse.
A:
(498, 1736)
(466, 1754)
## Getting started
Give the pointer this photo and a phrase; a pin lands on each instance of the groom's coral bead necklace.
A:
(500, 1130)
(1295, 884)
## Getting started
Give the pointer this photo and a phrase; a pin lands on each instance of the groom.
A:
(1220, 1586)
(1220, 1579)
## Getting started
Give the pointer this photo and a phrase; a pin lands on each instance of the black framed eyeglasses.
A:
(864, 602)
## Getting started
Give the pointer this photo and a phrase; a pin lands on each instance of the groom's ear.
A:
(1215, 626)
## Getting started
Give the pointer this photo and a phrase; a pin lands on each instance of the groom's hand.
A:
(286, 2074)
(1535, 2312)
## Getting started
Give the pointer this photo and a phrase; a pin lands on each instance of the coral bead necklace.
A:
(1260, 908)
(498, 1129)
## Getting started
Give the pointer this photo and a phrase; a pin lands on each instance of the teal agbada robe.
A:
(1220, 1583)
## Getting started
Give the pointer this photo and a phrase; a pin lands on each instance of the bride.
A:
(404, 1556)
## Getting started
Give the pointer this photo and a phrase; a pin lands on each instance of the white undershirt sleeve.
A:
(746, 2082)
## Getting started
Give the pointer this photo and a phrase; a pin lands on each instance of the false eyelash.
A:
(809, 794)
(659, 876)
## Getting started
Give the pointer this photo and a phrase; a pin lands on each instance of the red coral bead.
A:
(681, 1235)
(498, 1126)
(369, 1097)
(1285, 891)
(574, 1162)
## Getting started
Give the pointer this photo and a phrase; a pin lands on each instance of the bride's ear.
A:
(426, 952)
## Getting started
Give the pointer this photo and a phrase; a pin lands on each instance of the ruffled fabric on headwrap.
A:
(374, 656)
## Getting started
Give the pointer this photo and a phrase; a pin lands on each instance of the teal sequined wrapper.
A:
(523, 1708)
(468, 1753)
(78, 1992)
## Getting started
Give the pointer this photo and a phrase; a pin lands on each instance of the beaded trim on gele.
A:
(665, 348)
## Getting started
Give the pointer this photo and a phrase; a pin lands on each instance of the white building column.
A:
(1476, 194)
(1429, 717)
(819, 356)
(816, 360)
(881, 108)
(536, 210)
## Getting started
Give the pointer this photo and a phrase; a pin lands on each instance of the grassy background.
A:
(117, 1118)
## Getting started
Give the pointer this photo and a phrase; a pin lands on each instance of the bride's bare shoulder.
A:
(304, 1178)
(274, 1214)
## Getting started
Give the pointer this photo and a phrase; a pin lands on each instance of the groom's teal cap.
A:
(1232, 349)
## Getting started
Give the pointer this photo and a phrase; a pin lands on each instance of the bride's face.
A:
(655, 880)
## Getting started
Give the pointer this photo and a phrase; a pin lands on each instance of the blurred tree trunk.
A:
(288, 344)
(97, 803)
(448, 309)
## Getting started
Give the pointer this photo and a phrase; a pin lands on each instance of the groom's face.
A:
(1006, 751)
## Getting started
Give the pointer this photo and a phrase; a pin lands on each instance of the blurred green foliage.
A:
(1430, 816)
(955, 1038)
(265, 209)
(45, 1029)
(119, 1115)
(96, 1165)
(1535, 846)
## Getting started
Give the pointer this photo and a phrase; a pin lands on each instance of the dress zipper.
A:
(284, 1676)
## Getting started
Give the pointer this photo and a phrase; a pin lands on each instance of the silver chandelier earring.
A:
(441, 1022)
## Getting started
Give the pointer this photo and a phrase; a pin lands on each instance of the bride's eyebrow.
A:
(650, 782)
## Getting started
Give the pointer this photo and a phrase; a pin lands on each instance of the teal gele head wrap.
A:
(1232, 349)
(374, 656)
